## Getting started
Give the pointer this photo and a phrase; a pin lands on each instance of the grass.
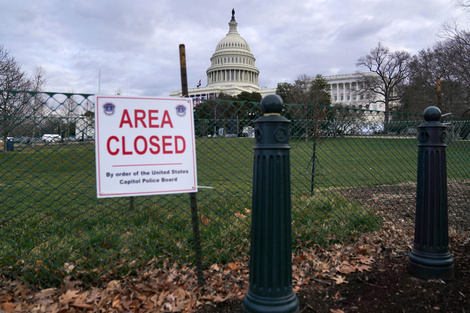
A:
(353, 162)
(329, 217)
(53, 226)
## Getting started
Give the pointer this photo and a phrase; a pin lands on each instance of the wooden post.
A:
(184, 76)
(192, 196)
(439, 92)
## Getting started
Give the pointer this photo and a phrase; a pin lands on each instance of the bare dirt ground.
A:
(387, 286)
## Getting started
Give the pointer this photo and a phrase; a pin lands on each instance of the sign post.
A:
(144, 146)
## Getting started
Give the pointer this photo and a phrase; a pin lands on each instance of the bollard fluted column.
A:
(271, 255)
(430, 257)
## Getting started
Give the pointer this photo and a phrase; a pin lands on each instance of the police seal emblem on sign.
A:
(181, 110)
(109, 108)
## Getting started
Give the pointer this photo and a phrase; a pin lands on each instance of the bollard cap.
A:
(432, 114)
(272, 105)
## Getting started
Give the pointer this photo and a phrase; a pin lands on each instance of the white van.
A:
(51, 138)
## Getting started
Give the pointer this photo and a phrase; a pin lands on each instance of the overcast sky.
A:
(135, 44)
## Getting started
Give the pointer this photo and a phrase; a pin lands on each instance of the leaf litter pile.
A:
(368, 275)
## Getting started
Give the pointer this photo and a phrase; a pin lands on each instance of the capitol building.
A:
(233, 71)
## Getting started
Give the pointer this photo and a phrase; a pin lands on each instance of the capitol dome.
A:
(232, 62)
(232, 70)
(232, 40)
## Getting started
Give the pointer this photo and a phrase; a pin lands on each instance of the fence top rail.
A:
(397, 114)
(49, 93)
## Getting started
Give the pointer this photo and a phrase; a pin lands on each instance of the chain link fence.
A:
(351, 170)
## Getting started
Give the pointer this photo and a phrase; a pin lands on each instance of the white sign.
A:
(144, 146)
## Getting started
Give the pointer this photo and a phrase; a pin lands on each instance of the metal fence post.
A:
(430, 257)
(270, 287)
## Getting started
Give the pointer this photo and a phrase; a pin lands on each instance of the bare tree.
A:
(309, 93)
(455, 50)
(69, 111)
(16, 107)
(420, 91)
(454, 54)
(464, 4)
(391, 72)
(38, 101)
(70, 106)
(305, 90)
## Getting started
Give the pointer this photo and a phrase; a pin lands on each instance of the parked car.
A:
(51, 138)
(8, 139)
(22, 139)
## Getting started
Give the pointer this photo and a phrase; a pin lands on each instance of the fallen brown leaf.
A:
(69, 296)
(340, 279)
(361, 268)
(8, 307)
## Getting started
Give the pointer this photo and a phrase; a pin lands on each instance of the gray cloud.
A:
(134, 44)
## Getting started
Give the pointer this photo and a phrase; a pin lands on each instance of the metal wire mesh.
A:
(350, 169)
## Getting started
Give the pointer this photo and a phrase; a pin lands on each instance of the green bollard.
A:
(270, 289)
(430, 257)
